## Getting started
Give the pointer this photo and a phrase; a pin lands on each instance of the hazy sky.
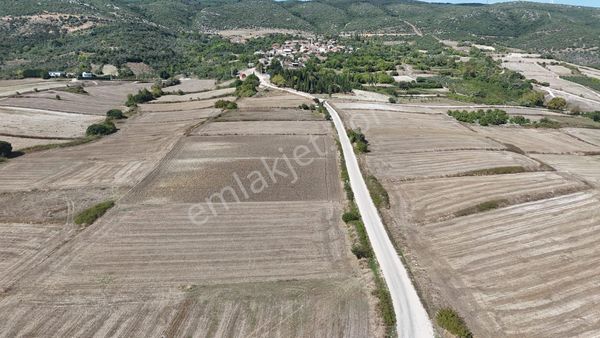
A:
(593, 3)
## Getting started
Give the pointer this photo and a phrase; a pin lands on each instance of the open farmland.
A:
(195, 96)
(446, 163)
(192, 86)
(538, 140)
(12, 87)
(585, 167)
(189, 105)
(430, 200)
(273, 99)
(43, 124)
(485, 224)
(587, 135)
(101, 96)
(526, 270)
(272, 114)
(277, 264)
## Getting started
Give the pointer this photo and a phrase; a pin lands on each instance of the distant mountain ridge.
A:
(570, 32)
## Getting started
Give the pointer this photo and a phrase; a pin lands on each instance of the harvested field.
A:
(100, 98)
(526, 270)
(56, 206)
(420, 132)
(21, 142)
(43, 124)
(585, 167)
(278, 264)
(192, 86)
(273, 99)
(195, 96)
(11, 87)
(190, 105)
(431, 200)
(446, 163)
(288, 114)
(538, 140)
(202, 166)
(22, 245)
(587, 135)
(265, 128)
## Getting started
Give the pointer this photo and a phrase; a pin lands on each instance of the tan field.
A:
(274, 99)
(538, 140)
(192, 86)
(591, 136)
(102, 96)
(43, 124)
(195, 96)
(190, 105)
(512, 253)
(276, 264)
(11, 87)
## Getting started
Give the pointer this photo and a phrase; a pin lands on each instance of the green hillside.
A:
(53, 33)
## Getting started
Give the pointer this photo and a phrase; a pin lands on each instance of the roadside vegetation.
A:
(452, 322)
(90, 215)
(362, 249)
(358, 139)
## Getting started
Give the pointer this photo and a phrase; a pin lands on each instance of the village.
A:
(295, 53)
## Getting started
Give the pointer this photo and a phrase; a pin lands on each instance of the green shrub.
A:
(361, 252)
(593, 115)
(377, 191)
(116, 114)
(483, 117)
(90, 215)
(350, 216)
(105, 128)
(57, 97)
(520, 120)
(143, 95)
(5, 149)
(557, 103)
(546, 123)
(247, 88)
(453, 323)
(361, 145)
(225, 104)
(392, 100)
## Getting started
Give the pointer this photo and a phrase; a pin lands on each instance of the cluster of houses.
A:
(295, 53)
(58, 74)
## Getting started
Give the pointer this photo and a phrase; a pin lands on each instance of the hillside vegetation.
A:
(48, 33)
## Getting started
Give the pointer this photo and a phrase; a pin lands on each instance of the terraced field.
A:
(11, 87)
(195, 96)
(169, 260)
(539, 140)
(430, 200)
(43, 124)
(527, 270)
(446, 163)
(514, 253)
(99, 98)
(192, 86)
(185, 106)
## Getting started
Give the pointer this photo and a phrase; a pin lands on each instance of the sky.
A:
(592, 3)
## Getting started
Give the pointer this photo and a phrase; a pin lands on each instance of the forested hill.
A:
(34, 27)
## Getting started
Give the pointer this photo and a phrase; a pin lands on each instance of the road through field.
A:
(411, 318)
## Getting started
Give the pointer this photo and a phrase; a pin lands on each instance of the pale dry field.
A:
(444, 163)
(101, 97)
(420, 132)
(547, 141)
(189, 105)
(434, 199)
(44, 124)
(192, 86)
(585, 167)
(273, 99)
(526, 270)
(270, 114)
(195, 96)
(587, 135)
(11, 87)
(265, 128)
(22, 142)
(276, 265)
(525, 267)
